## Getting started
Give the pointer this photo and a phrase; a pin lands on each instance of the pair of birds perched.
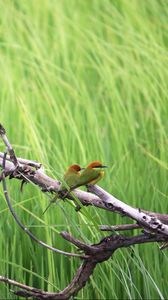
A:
(73, 178)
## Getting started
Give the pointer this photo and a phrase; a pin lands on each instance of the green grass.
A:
(81, 81)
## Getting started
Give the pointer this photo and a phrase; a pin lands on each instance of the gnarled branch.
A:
(101, 252)
(155, 225)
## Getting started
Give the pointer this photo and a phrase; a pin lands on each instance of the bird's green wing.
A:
(87, 176)
(69, 181)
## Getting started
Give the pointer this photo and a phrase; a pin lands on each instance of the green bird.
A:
(92, 174)
(73, 179)
(70, 182)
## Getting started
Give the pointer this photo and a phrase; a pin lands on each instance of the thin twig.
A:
(82, 246)
(25, 229)
(119, 227)
(8, 145)
(18, 284)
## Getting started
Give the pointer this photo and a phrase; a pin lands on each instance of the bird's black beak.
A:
(83, 168)
(100, 167)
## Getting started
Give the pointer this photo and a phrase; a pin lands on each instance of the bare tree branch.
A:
(101, 252)
(146, 221)
(47, 183)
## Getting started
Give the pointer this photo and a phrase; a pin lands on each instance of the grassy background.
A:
(80, 81)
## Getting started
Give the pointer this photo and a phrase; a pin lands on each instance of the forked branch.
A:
(154, 225)
(101, 252)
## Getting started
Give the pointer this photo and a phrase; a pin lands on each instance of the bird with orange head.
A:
(73, 178)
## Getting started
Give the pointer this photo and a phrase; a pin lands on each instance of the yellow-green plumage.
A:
(73, 178)
(70, 182)
(92, 174)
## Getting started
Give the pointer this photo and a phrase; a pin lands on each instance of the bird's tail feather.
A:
(51, 201)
